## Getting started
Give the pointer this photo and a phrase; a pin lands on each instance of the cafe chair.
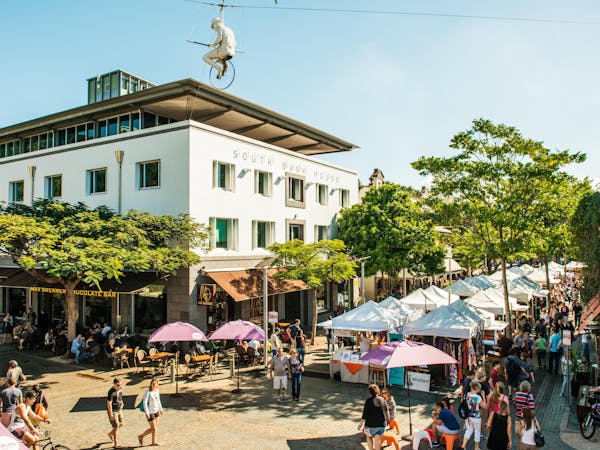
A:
(124, 357)
(252, 356)
(140, 360)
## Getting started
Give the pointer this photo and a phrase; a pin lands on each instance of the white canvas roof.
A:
(443, 322)
(497, 276)
(366, 317)
(423, 300)
(462, 288)
(556, 268)
(462, 308)
(498, 294)
(405, 312)
(479, 283)
(442, 294)
(573, 265)
(539, 276)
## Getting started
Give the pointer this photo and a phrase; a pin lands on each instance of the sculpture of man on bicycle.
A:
(223, 47)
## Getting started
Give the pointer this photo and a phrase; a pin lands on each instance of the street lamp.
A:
(362, 275)
(265, 264)
(119, 155)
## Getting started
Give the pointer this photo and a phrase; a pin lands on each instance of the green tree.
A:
(496, 187)
(391, 228)
(62, 244)
(585, 225)
(315, 264)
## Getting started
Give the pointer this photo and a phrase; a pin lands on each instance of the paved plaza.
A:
(209, 416)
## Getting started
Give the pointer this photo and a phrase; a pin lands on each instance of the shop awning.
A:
(589, 312)
(129, 283)
(246, 284)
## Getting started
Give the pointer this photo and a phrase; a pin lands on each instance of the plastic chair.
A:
(140, 360)
(389, 439)
(450, 440)
(418, 436)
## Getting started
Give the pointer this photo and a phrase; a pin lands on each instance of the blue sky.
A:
(397, 86)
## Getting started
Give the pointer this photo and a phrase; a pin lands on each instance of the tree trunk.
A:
(506, 301)
(72, 311)
(313, 326)
(547, 274)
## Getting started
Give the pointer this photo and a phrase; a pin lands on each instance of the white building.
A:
(177, 148)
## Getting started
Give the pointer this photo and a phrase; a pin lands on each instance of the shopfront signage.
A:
(567, 338)
(206, 294)
(105, 294)
(273, 316)
(419, 381)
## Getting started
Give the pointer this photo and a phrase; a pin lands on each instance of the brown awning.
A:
(129, 283)
(246, 284)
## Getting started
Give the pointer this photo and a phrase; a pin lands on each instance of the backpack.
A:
(511, 367)
(463, 409)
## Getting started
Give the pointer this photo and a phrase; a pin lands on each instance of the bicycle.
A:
(588, 425)
(49, 445)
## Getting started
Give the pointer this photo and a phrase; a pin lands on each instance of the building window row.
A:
(224, 233)
(84, 132)
(224, 179)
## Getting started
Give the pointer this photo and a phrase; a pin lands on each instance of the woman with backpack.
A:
(153, 409)
(473, 421)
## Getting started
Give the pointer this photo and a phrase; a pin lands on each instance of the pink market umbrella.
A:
(177, 332)
(242, 330)
(238, 329)
(404, 354)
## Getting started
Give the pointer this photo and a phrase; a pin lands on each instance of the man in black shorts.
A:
(114, 407)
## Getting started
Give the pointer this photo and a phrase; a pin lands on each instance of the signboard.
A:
(206, 294)
(566, 338)
(273, 316)
(419, 381)
(105, 294)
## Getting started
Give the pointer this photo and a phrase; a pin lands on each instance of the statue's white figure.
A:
(223, 47)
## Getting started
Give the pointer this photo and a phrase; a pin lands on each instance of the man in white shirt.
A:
(223, 45)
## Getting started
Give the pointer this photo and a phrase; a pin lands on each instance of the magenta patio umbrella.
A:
(8, 441)
(242, 330)
(177, 332)
(238, 329)
(405, 354)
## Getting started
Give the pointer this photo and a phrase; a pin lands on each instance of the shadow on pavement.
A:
(99, 403)
(332, 442)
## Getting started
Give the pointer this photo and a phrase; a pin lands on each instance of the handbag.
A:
(41, 411)
(538, 437)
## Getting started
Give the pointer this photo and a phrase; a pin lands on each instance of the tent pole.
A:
(408, 392)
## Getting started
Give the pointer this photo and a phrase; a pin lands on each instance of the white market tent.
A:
(520, 291)
(442, 294)
(479, 283)
(556, 268)
(526, 268)
(443, 322)
(487, 280)
(462, 308)
(539, 276)
(453, 266)
(484, 301)
(366, 317)
(517, 270)
(405, 313)
(527, 282)
(498, 294)
(575, 265)
(462, 288)
(496, 277)
(423, 300)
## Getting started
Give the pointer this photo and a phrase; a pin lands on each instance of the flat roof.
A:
(191, 100)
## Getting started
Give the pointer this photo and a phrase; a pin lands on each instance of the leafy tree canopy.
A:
(389, 226)
(585, 225)
(72, 243)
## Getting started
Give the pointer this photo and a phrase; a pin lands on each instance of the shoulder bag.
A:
(538, 436)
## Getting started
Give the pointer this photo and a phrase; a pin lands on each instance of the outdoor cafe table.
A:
(160, 356)
(200, 358)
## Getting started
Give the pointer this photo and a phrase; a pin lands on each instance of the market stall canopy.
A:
(479, 283)
(526, 268)
(487, 280)
(493, 301)
(453, 266)
(589, 312)
(481, 318)
(497, 325)
(528, 283)
(496, 277)
(421, 299)
(517, 270)
(366, 317)
(405, 312)
(576, 265)
(539, 276)
(556, 268)
(442, 294)
(462, 288)
(442, 322)
(498, 294)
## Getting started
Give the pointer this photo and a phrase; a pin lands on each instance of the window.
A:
(223, 176)
(294, 191)
(263, 234)
(344, 198)
(16, 191)
(322, 194)
(96, 181)
(321, 232)
(148, 120)
(224, 233)
(295, 229)
(263, 183)
(148, 174)
(53, 186)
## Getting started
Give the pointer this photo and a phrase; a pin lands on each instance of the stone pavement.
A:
(208, 416)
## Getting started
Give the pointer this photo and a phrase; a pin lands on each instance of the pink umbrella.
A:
(404, 354)
(8, 441)
(177, 332)
(238, 329)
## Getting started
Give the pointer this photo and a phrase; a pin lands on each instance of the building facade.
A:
(183, 147)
